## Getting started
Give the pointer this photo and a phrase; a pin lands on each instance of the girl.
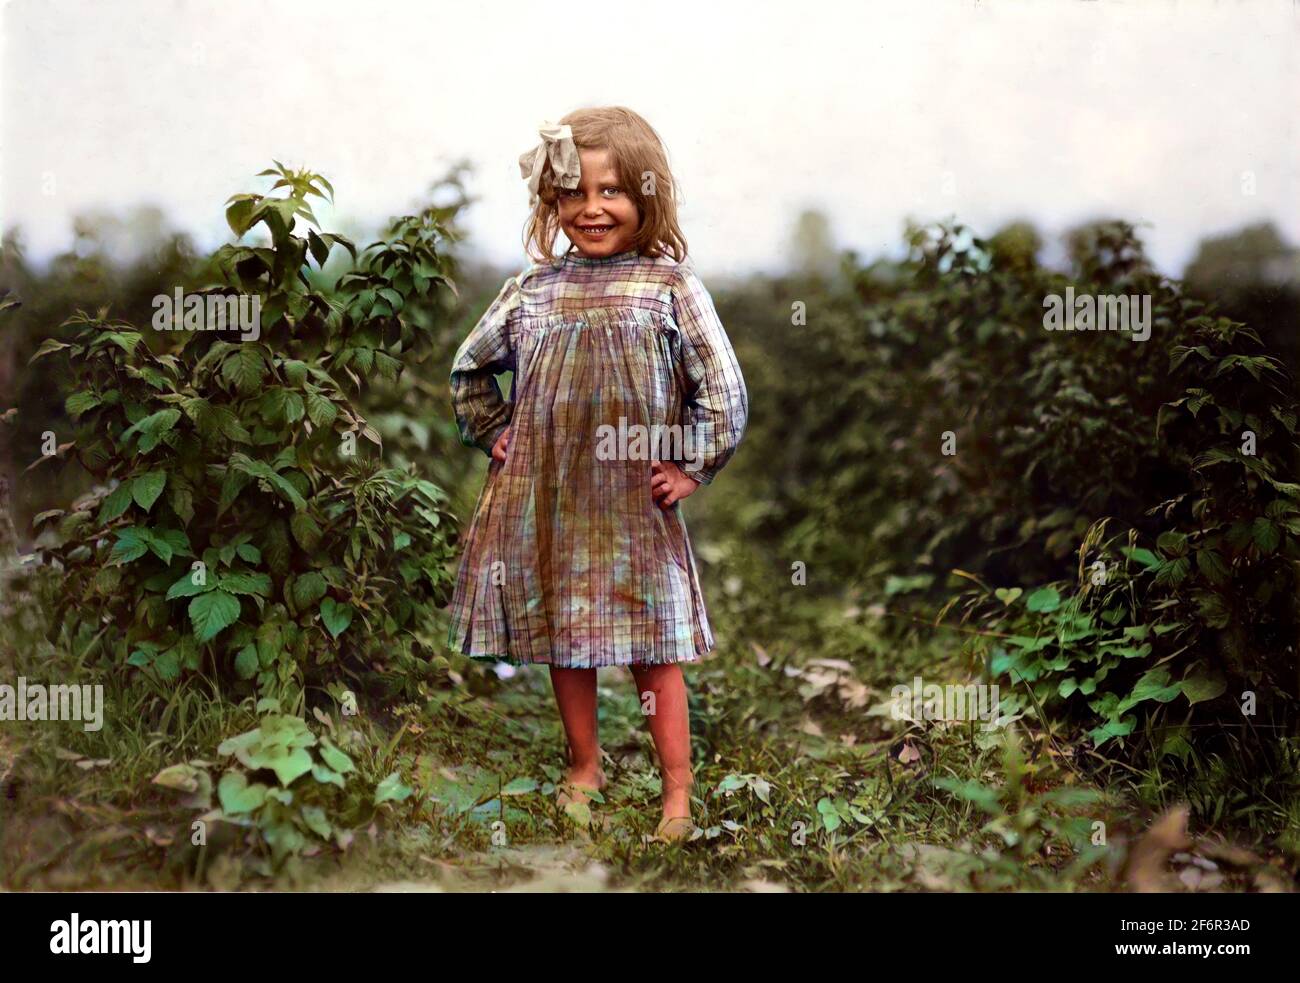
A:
(577, 556)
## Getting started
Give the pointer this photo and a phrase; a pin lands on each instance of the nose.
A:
(592, 206)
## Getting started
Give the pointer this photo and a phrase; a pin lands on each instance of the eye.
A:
(611, 192)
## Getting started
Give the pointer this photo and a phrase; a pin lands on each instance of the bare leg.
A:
(671, 729)
(575, 694)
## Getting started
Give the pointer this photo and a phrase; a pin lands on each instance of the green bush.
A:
(239, 529)
(924, 421)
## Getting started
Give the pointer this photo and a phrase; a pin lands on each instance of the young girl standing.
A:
(577, 557)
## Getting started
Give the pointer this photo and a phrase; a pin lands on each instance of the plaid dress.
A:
(568, 560)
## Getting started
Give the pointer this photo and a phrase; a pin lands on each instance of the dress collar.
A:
(573, 256)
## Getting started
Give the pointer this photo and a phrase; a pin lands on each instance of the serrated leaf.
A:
(258, 584)
(131, 544)
(80, 402)
(211, 612)
(308, 589)
(186, 587)
(245, 369)
(146, 488)
(154, 424)
(1212, 567)
(117, 502)
(320, 410)
(1266, 534)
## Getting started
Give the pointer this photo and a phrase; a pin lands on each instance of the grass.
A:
(803, 781)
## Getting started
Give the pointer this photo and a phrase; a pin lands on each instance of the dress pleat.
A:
(568, 561)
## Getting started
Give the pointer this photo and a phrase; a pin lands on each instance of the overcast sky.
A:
(1056, 110)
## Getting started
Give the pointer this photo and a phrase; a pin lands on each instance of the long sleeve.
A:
(717, 402)
(482, 412)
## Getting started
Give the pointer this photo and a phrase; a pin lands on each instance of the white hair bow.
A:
(557, 145)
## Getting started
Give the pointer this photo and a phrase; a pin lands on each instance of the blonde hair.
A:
(637, 155)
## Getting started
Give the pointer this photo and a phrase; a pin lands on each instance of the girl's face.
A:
(598, 216)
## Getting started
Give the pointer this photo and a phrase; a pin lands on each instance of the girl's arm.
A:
(716, 398)
(482, 412)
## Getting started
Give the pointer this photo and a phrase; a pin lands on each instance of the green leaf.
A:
(336, 616)
(1266, 533)
(1044, 600)
(391, 789)
(1142, 556)
(291, 764)
(305, 530)
(244, 368)
(47, 346)
(79, 403)
(237, 796)
(154, 424)
(186, 587)
(181, 778)
(1199, 688)
(168, 665)
(320, 410)
(246, 665)
(830, 815)
(1173, 543)
(276, 544)
(308, 589)
(314, 817)
(319, 250)
(131, 544)
(325, 776)
(239, 215)
(1174, 572)
(211, 612)
(234, 482)
(1213, 609)
(1111, 729)
(117, 502)
(147, 487)
(1212, 567)
(336, 759)
(578, 812)
(1154, 685)
(258, 584)
(972, 791)
(229, 426)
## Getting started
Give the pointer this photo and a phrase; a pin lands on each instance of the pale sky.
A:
(1057, 110)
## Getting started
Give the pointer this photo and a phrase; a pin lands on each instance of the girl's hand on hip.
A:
(669, 484)
(501, 446)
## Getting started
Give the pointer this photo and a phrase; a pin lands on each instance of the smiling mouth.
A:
(593, 230)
